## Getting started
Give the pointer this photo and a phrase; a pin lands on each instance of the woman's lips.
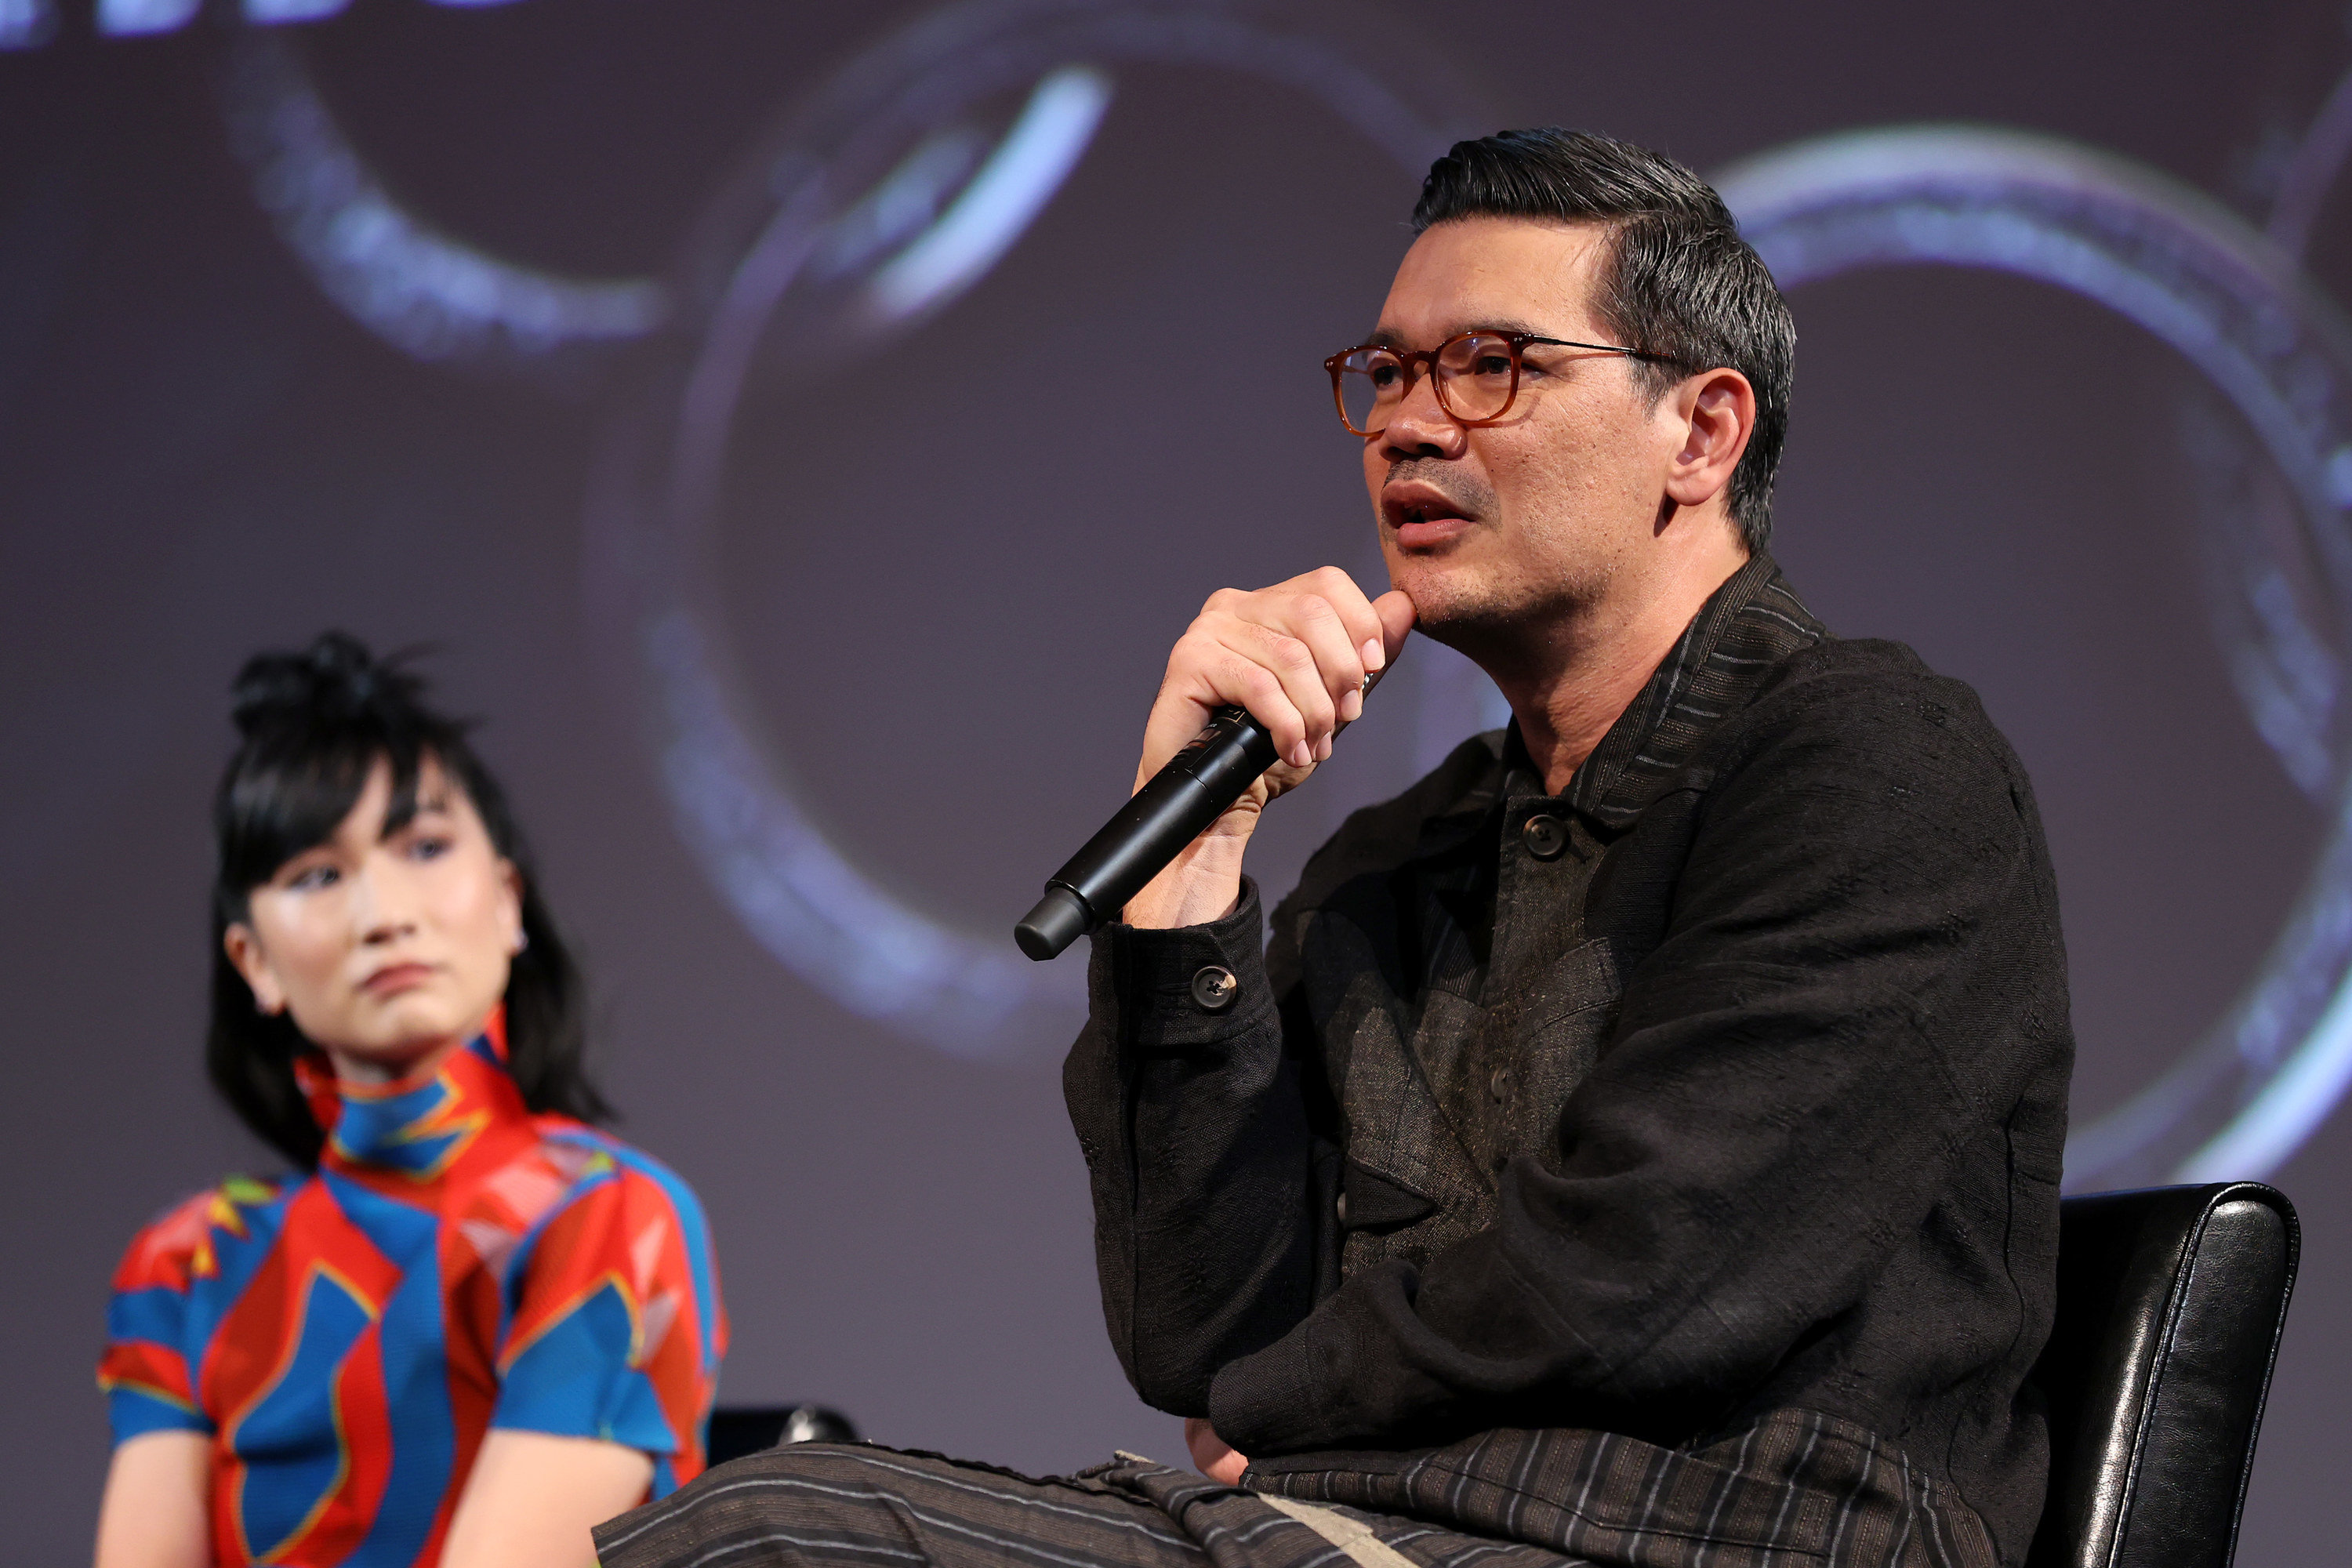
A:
(395, 978)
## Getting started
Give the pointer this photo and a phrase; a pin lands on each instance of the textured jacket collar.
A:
(1746, 628)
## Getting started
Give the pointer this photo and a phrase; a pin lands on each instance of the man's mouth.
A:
(1422, 517)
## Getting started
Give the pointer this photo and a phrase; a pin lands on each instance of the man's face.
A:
(1490, 527)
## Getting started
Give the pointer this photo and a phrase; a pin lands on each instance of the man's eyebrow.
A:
(1385, 338)
(1507, 324)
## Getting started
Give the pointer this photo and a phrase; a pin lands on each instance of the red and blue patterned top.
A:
(456, 1263)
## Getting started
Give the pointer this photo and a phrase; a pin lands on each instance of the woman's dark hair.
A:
(312, 726)
(1680, 283)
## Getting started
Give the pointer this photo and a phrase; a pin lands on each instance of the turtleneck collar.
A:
(420, 1125)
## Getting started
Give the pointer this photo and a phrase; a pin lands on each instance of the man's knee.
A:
(805, 1503)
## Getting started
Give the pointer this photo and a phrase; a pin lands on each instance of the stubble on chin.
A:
(1484, 610)
(1446, 608)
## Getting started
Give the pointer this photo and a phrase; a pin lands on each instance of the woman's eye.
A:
(428, 847)
(315, 877)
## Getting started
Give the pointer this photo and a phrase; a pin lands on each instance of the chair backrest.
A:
(2170, 1301)
(739, 1429)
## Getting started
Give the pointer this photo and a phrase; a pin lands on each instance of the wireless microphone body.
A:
(1182, 799)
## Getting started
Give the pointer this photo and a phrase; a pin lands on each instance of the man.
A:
(1639, 1141)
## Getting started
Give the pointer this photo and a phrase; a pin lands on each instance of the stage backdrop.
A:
(799, 431)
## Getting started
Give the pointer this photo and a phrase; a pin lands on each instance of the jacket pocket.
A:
(1372, 1200)
(1558, 1041)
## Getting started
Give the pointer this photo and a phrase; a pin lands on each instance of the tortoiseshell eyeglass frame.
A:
(1418, 362)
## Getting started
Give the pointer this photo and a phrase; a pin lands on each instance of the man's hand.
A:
(1211, 1455)
(1297, 656)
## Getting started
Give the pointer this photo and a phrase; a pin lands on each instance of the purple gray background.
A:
(974, 549)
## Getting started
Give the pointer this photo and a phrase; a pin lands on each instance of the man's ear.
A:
(1717, 413)
(244, 949)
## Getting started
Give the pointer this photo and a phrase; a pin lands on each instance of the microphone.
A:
(1182, 799)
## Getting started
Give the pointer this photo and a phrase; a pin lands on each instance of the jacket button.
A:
(1214, 988)
(1500, 1083)
(1545, 836)
(1341, 1209)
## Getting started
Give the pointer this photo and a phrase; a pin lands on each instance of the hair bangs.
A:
(289, 797)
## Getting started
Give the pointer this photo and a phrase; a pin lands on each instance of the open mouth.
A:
(1422, 516)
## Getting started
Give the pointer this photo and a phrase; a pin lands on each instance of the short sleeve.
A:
(614, 1329)
(145, 1372)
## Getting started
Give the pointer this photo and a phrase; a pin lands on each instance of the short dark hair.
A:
(312, 726)
(1679, 282)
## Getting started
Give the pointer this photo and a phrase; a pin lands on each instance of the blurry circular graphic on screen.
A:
(427, 293)
(901, 182)
(2239, 310)
(912, 171)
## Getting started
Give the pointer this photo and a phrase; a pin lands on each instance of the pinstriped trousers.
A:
(867, 1506)
(1799, 1489)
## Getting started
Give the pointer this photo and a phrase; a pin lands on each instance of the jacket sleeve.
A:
(1861, 973)
(1195, 1125)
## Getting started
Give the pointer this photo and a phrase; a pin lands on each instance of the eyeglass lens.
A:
(1475, 378)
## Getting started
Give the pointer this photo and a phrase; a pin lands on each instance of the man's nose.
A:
(1421, 428)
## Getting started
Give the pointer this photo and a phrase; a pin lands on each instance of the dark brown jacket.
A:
(1731, 1081)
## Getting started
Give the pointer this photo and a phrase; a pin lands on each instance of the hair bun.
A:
(335, 678)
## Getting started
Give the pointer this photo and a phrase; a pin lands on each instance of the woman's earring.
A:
(522, 940)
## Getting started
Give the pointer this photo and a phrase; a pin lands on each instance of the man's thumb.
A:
(1396, 614)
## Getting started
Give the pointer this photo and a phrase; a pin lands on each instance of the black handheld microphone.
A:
(1192, 792)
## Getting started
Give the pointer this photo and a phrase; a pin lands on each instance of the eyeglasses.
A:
(1477, 376)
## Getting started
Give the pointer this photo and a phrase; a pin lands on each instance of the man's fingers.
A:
(1211, 1455)
(1339, 655)
(1205, 673)
(1292, 663)
(1340, 591)
(1244, 676)
(1297, 656)
(1365, 654)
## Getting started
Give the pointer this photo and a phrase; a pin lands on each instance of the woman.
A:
(473, 1325)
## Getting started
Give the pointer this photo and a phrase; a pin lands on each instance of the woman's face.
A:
(386, 946)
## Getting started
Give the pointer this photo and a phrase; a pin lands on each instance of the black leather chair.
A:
(739, 1429)
(2170, 1302)
(2170, 1306)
